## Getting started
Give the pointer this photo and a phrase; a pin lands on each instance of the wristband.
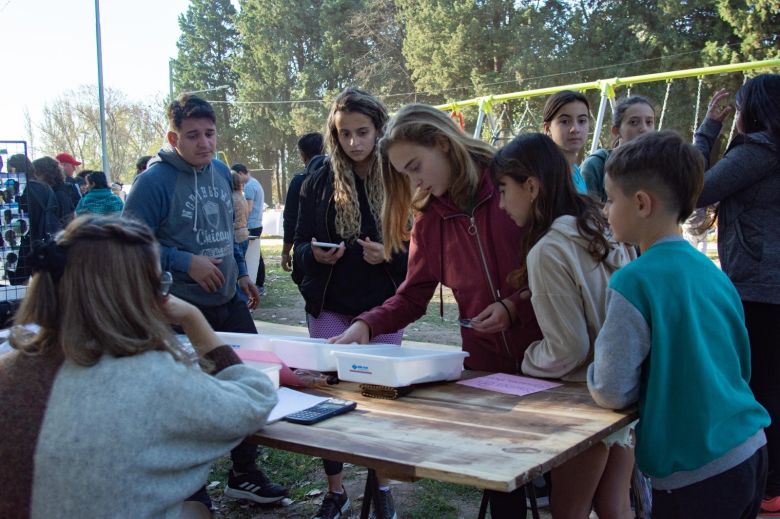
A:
(511, 321)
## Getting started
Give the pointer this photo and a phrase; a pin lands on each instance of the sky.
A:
(49, 47)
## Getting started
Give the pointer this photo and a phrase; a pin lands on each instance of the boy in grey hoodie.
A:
(185, 196)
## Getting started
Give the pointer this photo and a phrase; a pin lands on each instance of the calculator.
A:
(321, 411)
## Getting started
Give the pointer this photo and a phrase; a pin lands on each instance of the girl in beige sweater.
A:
(568, 262)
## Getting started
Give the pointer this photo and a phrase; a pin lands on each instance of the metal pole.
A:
(101, 99)
(599, 121)
(170, 78)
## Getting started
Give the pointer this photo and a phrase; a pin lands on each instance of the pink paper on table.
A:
(509, 384)
(286, 376)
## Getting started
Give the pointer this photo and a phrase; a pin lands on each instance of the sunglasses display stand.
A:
(14, 225)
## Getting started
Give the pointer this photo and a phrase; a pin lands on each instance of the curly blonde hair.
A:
(345, 197)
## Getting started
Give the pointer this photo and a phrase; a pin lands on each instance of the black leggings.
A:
(332, 467)
(763, 325)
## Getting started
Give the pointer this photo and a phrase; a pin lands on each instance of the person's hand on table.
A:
(328, 256)
(245, 284)
(494, 318)
(358, 332)
(373, 252)
(206, 273)
(717, 111)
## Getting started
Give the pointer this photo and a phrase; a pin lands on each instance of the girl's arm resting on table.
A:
(565, 345)
(557, 304)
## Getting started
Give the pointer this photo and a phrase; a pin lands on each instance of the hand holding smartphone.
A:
(325, 245)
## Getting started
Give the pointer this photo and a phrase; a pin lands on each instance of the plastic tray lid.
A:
(400, 353)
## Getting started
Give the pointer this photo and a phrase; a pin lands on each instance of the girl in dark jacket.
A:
(49, 170)
(746, 184)
(341, 203)
(39, 203)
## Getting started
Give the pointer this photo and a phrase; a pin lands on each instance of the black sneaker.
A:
(386, 504)
(333, 505)
(254, 486)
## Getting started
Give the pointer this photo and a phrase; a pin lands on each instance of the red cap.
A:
(67, 158)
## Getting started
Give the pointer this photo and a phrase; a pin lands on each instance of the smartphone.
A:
(325, 245)
(322, 411)
(466, 323)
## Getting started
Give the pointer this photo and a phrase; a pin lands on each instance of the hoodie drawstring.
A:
(195, 220)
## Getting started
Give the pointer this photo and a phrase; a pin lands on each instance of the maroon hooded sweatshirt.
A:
(472, 254)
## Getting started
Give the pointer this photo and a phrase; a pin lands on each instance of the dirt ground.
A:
(408, 498)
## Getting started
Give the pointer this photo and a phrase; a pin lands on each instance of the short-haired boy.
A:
(185, 197)
(674, 340)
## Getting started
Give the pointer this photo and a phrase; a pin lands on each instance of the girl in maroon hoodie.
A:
(437, 174)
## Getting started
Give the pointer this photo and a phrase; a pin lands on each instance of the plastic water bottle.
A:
(311, 378)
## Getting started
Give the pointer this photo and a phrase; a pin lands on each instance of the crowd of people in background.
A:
(583, 276)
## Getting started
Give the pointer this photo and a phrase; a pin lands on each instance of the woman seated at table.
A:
(102, 409)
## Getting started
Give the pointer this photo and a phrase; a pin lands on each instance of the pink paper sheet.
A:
(286, 376)
(509, 384)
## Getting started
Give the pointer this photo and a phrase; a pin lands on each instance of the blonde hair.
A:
(238, 184)
(425, 125)
(93, 310)
(345, 196)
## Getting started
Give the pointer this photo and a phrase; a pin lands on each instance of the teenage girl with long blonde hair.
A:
(341, 204)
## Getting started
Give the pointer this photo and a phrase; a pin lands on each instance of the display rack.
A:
(14, 225)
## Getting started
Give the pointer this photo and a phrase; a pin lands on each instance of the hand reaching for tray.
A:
(358, 332)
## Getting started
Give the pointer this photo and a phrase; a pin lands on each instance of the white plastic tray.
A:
(399, 366)
(314, 354)
(251, 341)
(272, 370)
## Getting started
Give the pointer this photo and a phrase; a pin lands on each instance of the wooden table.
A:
(454, 433)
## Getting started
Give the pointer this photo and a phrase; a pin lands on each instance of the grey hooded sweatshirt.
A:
(191, 213)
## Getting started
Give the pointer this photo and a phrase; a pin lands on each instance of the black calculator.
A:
(321, 411)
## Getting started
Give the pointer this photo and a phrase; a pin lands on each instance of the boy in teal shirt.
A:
(674, 340)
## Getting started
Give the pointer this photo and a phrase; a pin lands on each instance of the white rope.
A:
(734, 122)
(663, 107)
(526, 113)
(698, 106)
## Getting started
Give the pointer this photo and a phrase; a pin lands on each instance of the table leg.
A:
(371, 493)
(483, 505)
(530, 491)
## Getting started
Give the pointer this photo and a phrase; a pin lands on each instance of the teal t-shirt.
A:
(694, 401)
(579, 180)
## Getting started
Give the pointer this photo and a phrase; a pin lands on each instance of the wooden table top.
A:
(454, 433)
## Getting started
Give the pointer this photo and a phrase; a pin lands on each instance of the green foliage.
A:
(207, 47)
(284, 61)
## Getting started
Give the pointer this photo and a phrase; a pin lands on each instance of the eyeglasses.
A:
(166, 280)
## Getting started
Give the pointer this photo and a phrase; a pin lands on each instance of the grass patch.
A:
(437, 499)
